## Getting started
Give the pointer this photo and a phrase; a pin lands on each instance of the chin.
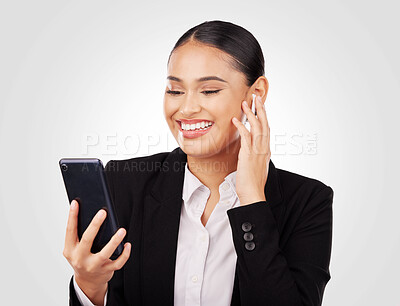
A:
(197, 148)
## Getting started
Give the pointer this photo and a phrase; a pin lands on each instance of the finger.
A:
(262, 115)
(92, 230)
(71, 235)
(110, 247)
(261, 141)
(254, 122)
(123, 258)
(245, 136)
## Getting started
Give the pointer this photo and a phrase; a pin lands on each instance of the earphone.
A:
(253, 104)
(253, 109)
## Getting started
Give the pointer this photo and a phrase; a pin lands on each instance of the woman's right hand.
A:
(92, 271)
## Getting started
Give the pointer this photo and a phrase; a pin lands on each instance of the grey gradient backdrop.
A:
(86, 78)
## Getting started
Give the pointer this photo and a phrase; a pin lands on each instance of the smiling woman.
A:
(215, 223)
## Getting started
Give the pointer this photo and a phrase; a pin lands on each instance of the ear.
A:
(260, 88)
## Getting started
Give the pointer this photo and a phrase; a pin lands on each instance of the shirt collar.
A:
(231, 179)
(191, 183)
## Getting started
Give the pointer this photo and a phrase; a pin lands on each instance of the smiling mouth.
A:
(195, 126)
(196, 132)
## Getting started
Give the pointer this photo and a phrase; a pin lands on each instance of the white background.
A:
(87, 78)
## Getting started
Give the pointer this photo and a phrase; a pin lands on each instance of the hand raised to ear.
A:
(254, 155)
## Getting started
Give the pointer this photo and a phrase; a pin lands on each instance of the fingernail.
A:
(245, 103)
(234, 119)
(101, 214)
(73, 204)
(259, 99)
(128, 246)
(121, 232)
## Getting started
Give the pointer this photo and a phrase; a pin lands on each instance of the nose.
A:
(189, 106)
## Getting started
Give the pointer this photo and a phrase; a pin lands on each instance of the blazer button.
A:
(248, 236)
(246, 226)
(250, 246)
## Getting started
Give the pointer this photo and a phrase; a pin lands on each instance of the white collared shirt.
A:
(206, 257)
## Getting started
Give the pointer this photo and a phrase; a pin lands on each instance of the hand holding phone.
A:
(91, 243)
(92, 272)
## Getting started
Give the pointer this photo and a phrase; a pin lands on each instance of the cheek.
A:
(226, 112)
(168, 109)
(223, 117)
(237, 111)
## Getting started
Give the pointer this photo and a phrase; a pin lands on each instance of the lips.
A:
(194, 133)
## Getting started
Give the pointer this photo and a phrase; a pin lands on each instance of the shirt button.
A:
(250, 246)
(225, 186)
(248, 236)
(203, 238)
(246, 226)
(194, 279)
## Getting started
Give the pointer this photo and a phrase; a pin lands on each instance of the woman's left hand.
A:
(254, 155)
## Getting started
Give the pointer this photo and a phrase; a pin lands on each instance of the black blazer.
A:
(286, 263)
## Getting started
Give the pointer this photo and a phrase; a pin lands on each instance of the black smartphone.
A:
(86, 182)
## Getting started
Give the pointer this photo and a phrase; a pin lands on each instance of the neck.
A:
(212, 170)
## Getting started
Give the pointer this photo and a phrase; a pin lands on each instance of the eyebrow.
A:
(203, 79)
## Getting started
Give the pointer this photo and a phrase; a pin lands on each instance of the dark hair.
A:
(236, 41)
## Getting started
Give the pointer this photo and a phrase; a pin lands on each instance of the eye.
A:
(210, 92)
(174, 92)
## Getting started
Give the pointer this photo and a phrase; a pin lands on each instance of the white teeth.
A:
(195, 126)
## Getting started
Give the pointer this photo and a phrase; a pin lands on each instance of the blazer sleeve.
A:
(73, 298)
(294, 275)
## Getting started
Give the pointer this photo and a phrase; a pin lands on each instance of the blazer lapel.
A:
(161, 219)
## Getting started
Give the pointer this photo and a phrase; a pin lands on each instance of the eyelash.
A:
(208, 92)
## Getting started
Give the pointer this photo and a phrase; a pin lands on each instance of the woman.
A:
(213, 222)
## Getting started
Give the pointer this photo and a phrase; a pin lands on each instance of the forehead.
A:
(193, 60)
